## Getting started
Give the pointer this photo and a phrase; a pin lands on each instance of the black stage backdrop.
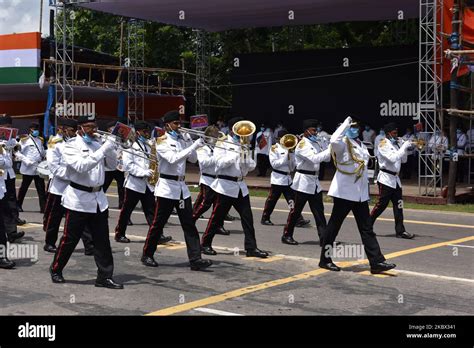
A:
(360, 80)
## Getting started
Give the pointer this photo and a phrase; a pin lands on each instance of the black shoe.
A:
(5, 263)
(381, 267)
(405, 235)
(266, 222)
(130, 223)
(14, 236)
(20, 209)
(200, 264)
(302, 222)
(164, 239)
(222, 230)
(207, 250)
(229, 218)
(56, 277)
(330, 266)
(89, 251)
(257, 253)
(122, 239)
(149, 261)
(288, 240)
(108, 283)
(19, 221)
(49, 248)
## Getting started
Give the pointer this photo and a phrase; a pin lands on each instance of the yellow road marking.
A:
(30, 225)
(277, 282)
(268, 259)
(380, 275)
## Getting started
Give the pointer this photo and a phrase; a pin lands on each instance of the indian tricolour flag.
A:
(20, 58)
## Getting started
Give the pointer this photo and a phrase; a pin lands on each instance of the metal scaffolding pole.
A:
(135, 63)
(203, 71)
(430, 92)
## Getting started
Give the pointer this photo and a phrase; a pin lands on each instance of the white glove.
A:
(198, 143)
(108, 146)
(348, 120)
(148, 173)
(186, 137)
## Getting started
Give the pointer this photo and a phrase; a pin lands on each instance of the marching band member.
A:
(350, 191)
(86, 203)
(263, 143)
(309, 154)
(5, 163)
(11, 214)
(58, 183)
(115, 173)
(171, 191)
(283, 163)
(391, 156)
(31, 154)
(137, 182)
(231, 190)
(207, 196)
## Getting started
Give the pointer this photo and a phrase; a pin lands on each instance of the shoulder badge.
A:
(274, 147)
(24, 138)
(42, 139)
(383, 142)
(53, 140)
(301, 144)
(159, 140)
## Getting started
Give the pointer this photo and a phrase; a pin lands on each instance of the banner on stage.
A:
(199, 121)
(8, 133)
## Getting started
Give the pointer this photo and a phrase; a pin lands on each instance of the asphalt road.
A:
(434, 274)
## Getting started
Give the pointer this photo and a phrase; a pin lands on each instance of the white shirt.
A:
(368, 136)
(377, 141)
(345, 186)
(5, 162)
(391, 157)
(207, 164)
(137, 166)
(268, 134)
(461, 143)
(86, 165)
(279, 160)
(438, 144)
(228, 162)
(309, 155)
(470, 137)
(59, 179)
(9, 171)
(172, 154)
(30, 154)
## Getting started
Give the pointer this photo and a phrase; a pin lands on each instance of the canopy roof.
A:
(219, 15)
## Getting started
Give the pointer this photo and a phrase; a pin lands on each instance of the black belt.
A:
(209, 175)
(85, 188)
(172, 177)
(231, 178)
(309, 172)
(388, 171)
(281, 172)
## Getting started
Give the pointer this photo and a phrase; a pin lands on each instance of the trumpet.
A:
(210, 135)
(418, 143)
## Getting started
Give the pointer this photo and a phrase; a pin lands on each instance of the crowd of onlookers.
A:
(436, 144)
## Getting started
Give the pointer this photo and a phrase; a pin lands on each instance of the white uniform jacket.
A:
(59, 179)
(5, 162)
(229, 163)
(172, 155)
(309, 155)
(461, 143)
(137, 167)
(279, 161)
(9, 172)
(31, 154)
(207, 164)
(351, 187)
(268, 134)
(86, 166)
(390, 158)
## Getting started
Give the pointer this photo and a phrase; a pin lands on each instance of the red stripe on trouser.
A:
(200, 204)
(46, 211)
(211, 219)
(51, 211)
(265, 213)
(63, 241)
(377, 205)
(121, 211)
(153, 224)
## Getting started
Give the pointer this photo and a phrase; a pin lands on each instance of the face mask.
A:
(314, 138)
(35, 133)
(142, 139)
(393, 140)
(319, 129)
(367, 128)
(458, 131)
(262, 129)
(87, 138)
(382, 132)
(173, 134)
(352, 133)
(235, 137)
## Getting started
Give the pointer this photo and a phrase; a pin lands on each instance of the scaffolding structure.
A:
(430, 168)
(203, 73)
(135, 63)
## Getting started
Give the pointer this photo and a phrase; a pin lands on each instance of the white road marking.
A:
(216, 311)
(462, 246)
(434, 276)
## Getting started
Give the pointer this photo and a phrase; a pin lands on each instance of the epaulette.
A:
(53, 140)
(42, 139)
(301, 144)
(159, 140)
(383, 142)
(274, 147)
(24, 138)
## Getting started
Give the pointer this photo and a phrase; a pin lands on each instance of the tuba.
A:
(244, 129)
(289, 141)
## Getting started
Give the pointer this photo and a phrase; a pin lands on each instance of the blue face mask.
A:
(459, 131)
(352, 133)
(235, 137)
(87, 138)
(319, 129)
(35, 133)
(367, 128)
(382, 132)
(262, 129)
(173, 134)
(314, 138)
(393, 140)
(142, 139)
